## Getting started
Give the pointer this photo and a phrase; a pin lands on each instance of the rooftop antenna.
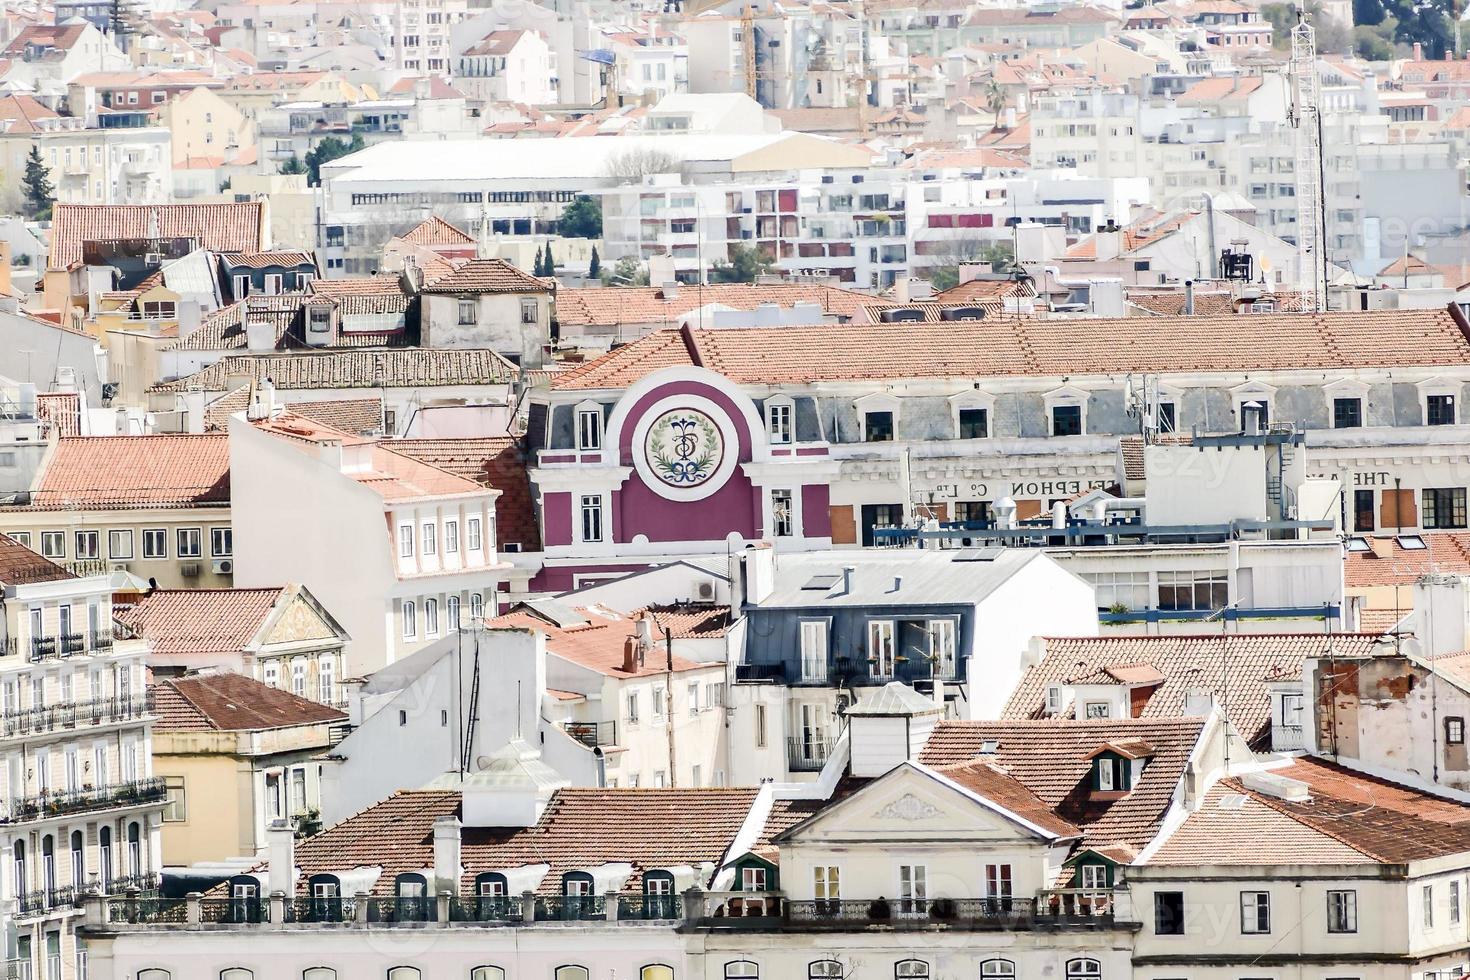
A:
(1306, 119)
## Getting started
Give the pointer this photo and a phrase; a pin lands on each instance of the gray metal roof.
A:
(894, 699)
(907, 577)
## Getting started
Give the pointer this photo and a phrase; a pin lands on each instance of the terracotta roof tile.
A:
(1029, 347)
(1446, 551)
(982, 289)
(1049, 758)
(123, 472)
(596, 644)
(487, 276)
(20, 565)
(1231, 828)
(233, 703)
(217, 227)
(436, 231)
(647, 304)
(354, 416)
(193, 622)
(1236, 666)
(581, 828)
(410, 367)
(998, 786)
(498, 463)
(264, 260)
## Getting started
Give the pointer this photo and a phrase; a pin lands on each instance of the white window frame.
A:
(408, 613)
(776, 524)
(940, 630)
(1254, 391)
(814, 663)
(88, 545)
(473, 540)
(1065, 396)
(193, 534)
(405, 541)
(590, 423)
(1438, 386)
(429, 539)
(120, 544)
(451, 537)
(153, 535)
(53, 544)
(594, 504)
(222, 542)
(974, 399)
(780, 420)
(878, 401)
(882, 647)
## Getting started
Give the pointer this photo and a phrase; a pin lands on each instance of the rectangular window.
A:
(633, 708)
(451, 537)
(529, 312)
(693, 700)
(913, 889)
(190, 542)
(1427, 894)
(221, 542)
(1444, 508)
(760, 726)
(659, 694)
(998, 881)
(974, 423)
(429, 539)
(240, 286)
(942, 648)
(1347, 413)
(1193, 590)
(405, 541)
(589, 429)
(1255, 913)
(155, 542)
(175, 810)
(468, 312)
(826, 883)
(22, 538)
(880, 648)
(778, 424)
(410, 621)
(431, 617)
(87, 544)
(1454, 731)
(1066, 420)
(878, 427)
(120, 545)
(592, 518)
(814, 650)
(781, 524)
(53, 544)
(1440, 410)
(1168, 417)
(1168, 913)
(472, 534)
(1454, 903)
(1363, 510)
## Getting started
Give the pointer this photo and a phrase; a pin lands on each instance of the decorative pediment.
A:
(908, 807)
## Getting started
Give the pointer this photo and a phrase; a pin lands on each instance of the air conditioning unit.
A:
(189, 569)
(121, 566)
(224, 566)
(706, 591)
(153, 258)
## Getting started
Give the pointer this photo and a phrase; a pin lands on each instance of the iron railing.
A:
(62, 803)
(485, 908)
(1075, 903)
(74, 714)
(650, 907)
(19, 970)
(148, 911)
(807, 754)
(400, 909)
(234, 911)
(321, 908)
(912, 913)
(592, 733)
(61, 646)
(570, 908)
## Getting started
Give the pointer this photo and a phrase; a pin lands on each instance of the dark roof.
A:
(233, 703)
(1050, 758)
(411, 367)
(20, 565)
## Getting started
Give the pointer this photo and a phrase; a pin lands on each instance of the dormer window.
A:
(589, 428)
(492, 896)
(411, 890)
(779, 427)
(1116, 767)
(1054, 699)
(658, 895)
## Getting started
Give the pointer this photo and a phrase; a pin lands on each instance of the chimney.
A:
(1418, 51)
(260, 335)
(1109, 242)
(1189, 297)
(630, 655)
(447, 863)
(1251, 418)
(262, 402)
(847, 573)
(670, 289)
(281, 852)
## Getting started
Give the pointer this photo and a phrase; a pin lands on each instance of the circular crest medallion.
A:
(684, 448)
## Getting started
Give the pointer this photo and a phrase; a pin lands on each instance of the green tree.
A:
(627, 271)
(36, 184)
(328, 150)
(293, 166)
(745, 264)
(582, 219)
(550, 262)
(594, 267)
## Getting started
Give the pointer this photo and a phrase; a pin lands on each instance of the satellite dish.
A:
(482, 763)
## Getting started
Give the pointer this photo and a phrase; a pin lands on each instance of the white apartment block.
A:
(91, 165)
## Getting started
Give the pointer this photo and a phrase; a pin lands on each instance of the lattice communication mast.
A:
(1306, 119)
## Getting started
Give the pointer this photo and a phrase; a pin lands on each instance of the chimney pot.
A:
(631, 655)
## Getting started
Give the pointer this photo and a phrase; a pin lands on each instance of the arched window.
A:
(577, 889)
(823, 969)
(21, 886)
(78, 860)
(487, 973)
(492, 896)
(658, 895)
(404, 973)
(412, 891)
(48, 863)
(135, 849)
(904, 969)
(236, 973)
(325, 892)
(656, 972)
(154, 974)
(742, 970)
(104, 858)
(1084, 968)
(572, 973)
(997, 970)
(319, 973)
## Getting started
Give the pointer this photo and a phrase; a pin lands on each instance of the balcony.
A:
(592, 733)
(807, 753)
(39, 649)
(1287, 738)
(72, 715)
(19, 970)
(59, 804)
(956, 913)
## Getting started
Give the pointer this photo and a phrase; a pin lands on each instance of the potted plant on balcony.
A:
(943, 909)
(879, 910)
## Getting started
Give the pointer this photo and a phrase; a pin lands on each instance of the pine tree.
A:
(37, 185)
(594, 268)
(550, 262)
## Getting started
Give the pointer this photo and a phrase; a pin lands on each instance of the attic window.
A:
(989, 747)
(821, 582)
(1111, 773)
(1411, 542)
(1054, 699)
(1357, 544)
(1232, 801)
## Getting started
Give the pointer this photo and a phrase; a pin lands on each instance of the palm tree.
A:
(995, 101)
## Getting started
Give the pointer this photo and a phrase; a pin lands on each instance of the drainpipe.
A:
(669, 700)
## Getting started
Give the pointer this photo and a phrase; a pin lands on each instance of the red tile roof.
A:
(233, 703)
(20, 113)
(351, 415)
(217, 227)
(1234, 667)
(598, 643)
(580, 829)
(436, 231)
(60, 37)
(20, 565)
(1374, 818)
(648, 304)
(1050, 759)
(264, 260)
(135, 472)
(496, 462)
(409, 367)
(1022, 347)
(1231, 828)
(192, 622)
(487, 276)
(1390, 564)
(998, 786)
